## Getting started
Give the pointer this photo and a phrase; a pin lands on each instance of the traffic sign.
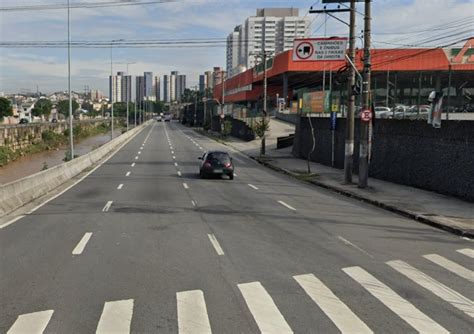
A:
(314, 49)
(366, 115)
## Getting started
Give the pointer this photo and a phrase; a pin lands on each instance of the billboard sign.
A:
(316, 49)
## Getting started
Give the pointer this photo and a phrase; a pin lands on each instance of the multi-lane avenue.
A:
(143, 245)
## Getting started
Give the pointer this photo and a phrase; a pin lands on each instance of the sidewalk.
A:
(438, 210)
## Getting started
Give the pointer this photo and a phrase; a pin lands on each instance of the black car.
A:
(216, 163)
(24, 121)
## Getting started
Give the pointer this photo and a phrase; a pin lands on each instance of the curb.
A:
(406, 213)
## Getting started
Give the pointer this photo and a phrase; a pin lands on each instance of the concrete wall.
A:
(407, 152)
(240, 129)
(15, 194)
(290, 118)
(22, 135)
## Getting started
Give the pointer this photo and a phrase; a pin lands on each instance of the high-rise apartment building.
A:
(172, 85)
(180, 86)
(209, 79)
(120, 87)
(148, 83)
(140, 88)
(272, 30)
(157, 88)
(202, 82)
(166, 88)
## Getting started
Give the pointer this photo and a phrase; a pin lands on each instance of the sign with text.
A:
(316, 102)
(315, 49)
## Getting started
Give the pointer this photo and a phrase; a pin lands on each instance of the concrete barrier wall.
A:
(15, 194)
(408, 152)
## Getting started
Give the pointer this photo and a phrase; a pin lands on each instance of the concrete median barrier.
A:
(15, 194)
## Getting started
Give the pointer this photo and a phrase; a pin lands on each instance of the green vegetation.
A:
(261, 127)
(5, 108)
(51, 140)
(63, 107)
(42, 107)
(227, 128)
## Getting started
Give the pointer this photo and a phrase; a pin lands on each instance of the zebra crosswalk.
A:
(192, 310)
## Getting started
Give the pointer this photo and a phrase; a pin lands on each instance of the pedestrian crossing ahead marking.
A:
(192, 315)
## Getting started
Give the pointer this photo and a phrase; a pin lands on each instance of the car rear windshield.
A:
(218, 156)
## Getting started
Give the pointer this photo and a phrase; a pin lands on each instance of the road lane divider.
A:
(128, 173)
(107, 206)
(120, 186)
(176, 164)
(442, 291)
(185, 185)
(216, 244)
(340, 314)
(31, 322)
(136, 158)
(348, 243)
(287, 205)
(252, 186)
(82, 244)
(179, 173)
(451, 266)
(116, 317)
(400, 306)
(263, 309)
(133, 165)
(467, 251)
(192, 313)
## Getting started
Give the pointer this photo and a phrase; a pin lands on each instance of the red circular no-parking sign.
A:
(366, 115)
(304, 50)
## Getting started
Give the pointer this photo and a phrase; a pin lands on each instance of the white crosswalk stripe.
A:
(467, 251)
(31, 323)
(442, 291)
(261, 305)
(451, 266)
(192, 312)
(332, 306)
(401, 307)
(116, 317)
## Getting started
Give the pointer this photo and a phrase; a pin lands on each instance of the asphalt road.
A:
(143, 245)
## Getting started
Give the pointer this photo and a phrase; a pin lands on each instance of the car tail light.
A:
(207, 164)
(228, 164)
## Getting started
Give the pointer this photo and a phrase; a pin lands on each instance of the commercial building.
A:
(272, 30)
(120, 87)
(399, 76)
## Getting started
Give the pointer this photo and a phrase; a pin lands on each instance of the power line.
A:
(111, 3)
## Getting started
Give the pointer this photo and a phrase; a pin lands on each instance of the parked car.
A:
(24, 121)
(216, 163)
(383, 112)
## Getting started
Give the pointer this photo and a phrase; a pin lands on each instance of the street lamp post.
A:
(71, 135)
(112, 87)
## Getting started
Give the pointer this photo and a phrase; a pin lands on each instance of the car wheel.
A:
(231, 176)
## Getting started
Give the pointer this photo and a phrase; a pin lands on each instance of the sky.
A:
(25, 69)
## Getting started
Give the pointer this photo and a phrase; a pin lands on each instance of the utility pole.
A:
(366, 105)
(135, 111)
(195, 105)
(111, 94)
(71, 129)
(349, 144)
(222, 101)
(264, 110)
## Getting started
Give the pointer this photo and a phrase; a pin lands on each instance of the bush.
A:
(227, 128)
(261, 127)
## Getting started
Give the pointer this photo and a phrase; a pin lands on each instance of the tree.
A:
(5, 108)
(63, 107)
(260, 128)
(88, 106)
(42, 108)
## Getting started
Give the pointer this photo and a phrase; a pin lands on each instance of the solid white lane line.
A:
(107, 206)
(442, 291)
(185, 185)
(128, 173)
(287, 205)
(263, 309)
(216, 244)
(11, 221)
(120, 186)
(252, 186)
(467, 251)
(451, 266)
(347, 242)
(31, 323)
(331, 305)
(116, 317)
(192, 313)
(401, 307)
(176, 164)
(133, 164)
(179, 173)
(82, 244)
(136, 158)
